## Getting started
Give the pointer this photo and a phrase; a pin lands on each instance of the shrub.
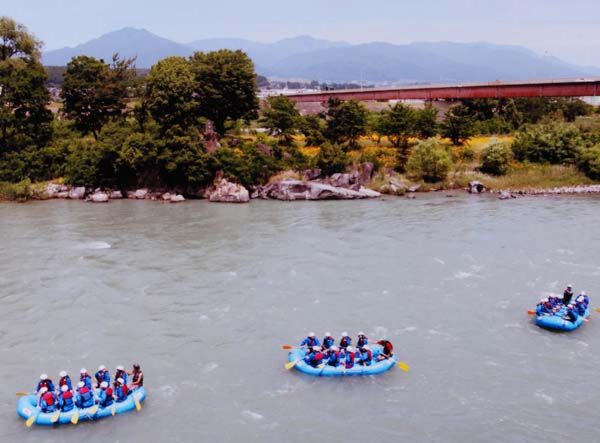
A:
(552, 142)
(589, 162)
(429, 161)
(15, 191)
(331, 159)
(495, 158)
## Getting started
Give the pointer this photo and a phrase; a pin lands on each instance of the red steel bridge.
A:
(575, 87)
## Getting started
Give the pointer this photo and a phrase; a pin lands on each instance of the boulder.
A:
(227, 192)
(476, 187)
(99, 197)
(52, 190)
(290, 190)
(77, 193)
(167, 196)
(365, 173)
(115, 195)
(311, 174)
(505, 195)
(140, 194)
(414, 188)
(177, 198)
(341, 180)
(62, 194)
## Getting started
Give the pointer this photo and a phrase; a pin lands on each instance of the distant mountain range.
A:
(314, 59)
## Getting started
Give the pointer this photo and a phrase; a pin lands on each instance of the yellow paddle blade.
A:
(291, 364)
(138, 406)
(403, 366)
(597, 309)
(30, 420)
(75, 418)
(21, 394)
(94, 410)
(55, 417)
(113, 409)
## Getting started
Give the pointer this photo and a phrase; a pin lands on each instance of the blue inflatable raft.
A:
(26, 407)
(377, 367)
(557, 322)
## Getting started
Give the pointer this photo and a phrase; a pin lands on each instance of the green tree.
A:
(553, 142)
(170, 95)
(426, 125)
(458, 125)
(95, 92)
(589, 162)
(346, 121)
(398, 124)
(495, 158)
(281, 117)
(313, 127)
(226, 86)
(25, 121)
(429, 161)
(331, 159)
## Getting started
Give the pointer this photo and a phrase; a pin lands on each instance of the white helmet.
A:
(350, 349)
(63, 373)
(344, 334)
(119, 368)
(64, 388)
(366, 347)
(544, 300)
(361, 333)
(312, 334)
(583, 293)
(80, 384)
(120, 380)
(101, 368)
(328, 334)
(82, 371)
(44, 390)
(316, 348)
(44, 377)
(569, 286)
(104, 384)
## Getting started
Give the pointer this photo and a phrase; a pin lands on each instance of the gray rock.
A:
(167, 196)
(341, 180)
(365, 173)
(77, 193)
(311, 174)
(52, 190)
(505, 195)
(115, 195)
(177, 198)
(227, 192)
(140, 194)
(62, 194)
(414, 188)
(99, 197)
(290, 190)
(476, 187)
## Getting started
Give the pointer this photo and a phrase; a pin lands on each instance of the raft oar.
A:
(31, 420)
(22, 394)
(138, 406)
(400, 364)
(291, 364)
(93, 410)
(55, 417)
(597, 309)
(75, 418)
(113, 409)
(531, 312)
(287, 347)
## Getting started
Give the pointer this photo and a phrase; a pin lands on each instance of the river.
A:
(203, 296)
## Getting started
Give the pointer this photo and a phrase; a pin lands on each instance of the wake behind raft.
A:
(377, 367)
(26, 407)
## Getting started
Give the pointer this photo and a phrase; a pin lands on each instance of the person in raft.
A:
(349, 357)
(362, 341)
(553, 300)
(388, 349)
(567, 295)
(121, 374)
(105, 396)
(85, 378)
(544, 307)
(583, 298)
(121, 390)
(365, 356)
(85, 396)
(334, 357)
(102, 375)
(65, 380)
(345, 341)
(571, 314)
(65, 399)
(45, 382)
(310, 341)
(315, 357)
(328, 341)
(137, 377)
(48, 401)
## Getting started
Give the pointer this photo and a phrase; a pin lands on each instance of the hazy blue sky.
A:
(567, 29)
